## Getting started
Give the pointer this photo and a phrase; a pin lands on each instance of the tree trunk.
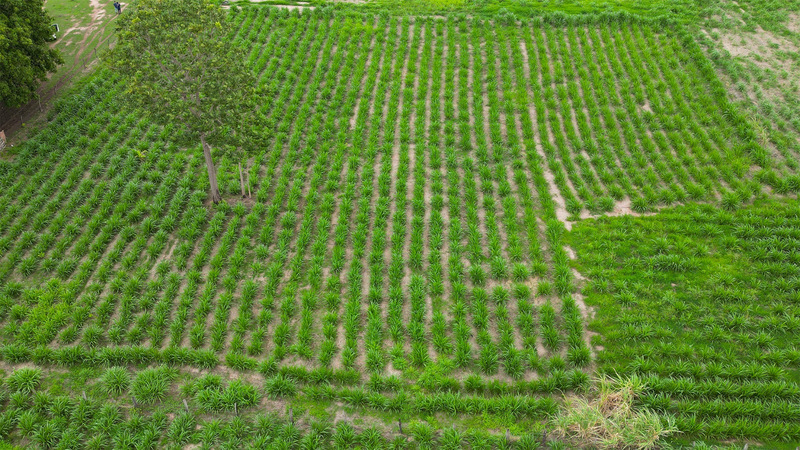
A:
(241, 179)
(212, 171)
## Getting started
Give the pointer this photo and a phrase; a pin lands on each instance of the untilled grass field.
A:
(702, 306)
(403, 248)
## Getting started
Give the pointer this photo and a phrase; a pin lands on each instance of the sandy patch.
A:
(290, 7)
(793, 23)
(624, 208)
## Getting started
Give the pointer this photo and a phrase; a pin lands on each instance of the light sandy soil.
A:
(291, 7)
(762, 48)
(757, 46)
(793, 23)
(621, 208)
(97, 15)
(98, 12)
(587, 313)
(624, 208)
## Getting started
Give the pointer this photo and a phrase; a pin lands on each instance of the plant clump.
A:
(611, 421)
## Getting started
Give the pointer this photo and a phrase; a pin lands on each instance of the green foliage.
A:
(694, 301)
(176, 63)
(411, 179)
(508, 11)
(182, 429)
(204, 84)
(280, 386)
(25, 380)
(152, 385)
(25, 55)
(213, 397)
(116, 381)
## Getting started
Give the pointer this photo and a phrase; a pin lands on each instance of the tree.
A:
(25, 57)
(176, 62)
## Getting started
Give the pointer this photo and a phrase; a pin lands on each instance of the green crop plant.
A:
(280, 386)
(25, 380)
(688, 368)
(151, 385)
(116, 381)
(27, 423)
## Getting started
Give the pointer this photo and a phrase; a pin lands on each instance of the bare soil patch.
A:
(625, 208)
(763, 49)
(793, 23)
(293, 7)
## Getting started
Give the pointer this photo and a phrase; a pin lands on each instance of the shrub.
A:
(605, 204)
(47, 435)
(544, 288)
(212, 397)
(181, 430)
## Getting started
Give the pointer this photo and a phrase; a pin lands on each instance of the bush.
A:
(181, 430)
(46, 436)
(212, 397)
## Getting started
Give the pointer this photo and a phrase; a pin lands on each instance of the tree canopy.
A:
(176, 60)
(25, 57)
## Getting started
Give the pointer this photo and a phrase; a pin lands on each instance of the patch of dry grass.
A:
(610, 421)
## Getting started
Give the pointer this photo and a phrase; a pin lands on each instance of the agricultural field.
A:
(453, 227)
(701, 305)
(523, 8)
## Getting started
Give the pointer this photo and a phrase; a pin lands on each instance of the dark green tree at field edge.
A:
(25, 56)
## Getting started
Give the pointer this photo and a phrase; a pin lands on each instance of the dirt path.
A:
(98, 13)
(87, 31)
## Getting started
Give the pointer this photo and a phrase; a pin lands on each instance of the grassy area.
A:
(684, 10)
(38, 413)
(69, 13)
(85, 33)
(702, 304)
